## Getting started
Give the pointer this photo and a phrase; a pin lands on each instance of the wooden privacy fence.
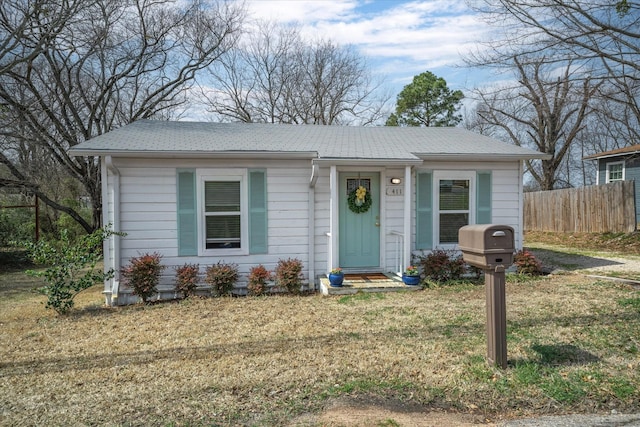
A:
(593, 209)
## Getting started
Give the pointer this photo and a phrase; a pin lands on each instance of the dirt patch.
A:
(585, 263)
(616, 243)
(374, 411)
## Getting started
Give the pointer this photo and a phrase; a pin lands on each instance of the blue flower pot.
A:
(411, 280)
(336, 279)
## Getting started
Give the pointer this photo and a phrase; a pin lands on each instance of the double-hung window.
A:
(615, 171)
(454, 205)
(222, 212)
(454, 208)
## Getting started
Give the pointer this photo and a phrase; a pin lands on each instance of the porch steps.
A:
(366, 282)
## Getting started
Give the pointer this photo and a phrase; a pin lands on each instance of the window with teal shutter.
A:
(483, 198)
(258, 211)
(424, 210)
(186, 208)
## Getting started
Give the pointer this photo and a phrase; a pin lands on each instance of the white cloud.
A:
(400, 38)
(301, 11)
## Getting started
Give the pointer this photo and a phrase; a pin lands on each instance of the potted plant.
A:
(411, 276)
(336, 277)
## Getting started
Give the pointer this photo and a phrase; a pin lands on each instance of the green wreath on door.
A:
(359, 200)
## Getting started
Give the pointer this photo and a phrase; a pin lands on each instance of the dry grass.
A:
(573, 346)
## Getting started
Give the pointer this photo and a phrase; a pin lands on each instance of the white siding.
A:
(148, 210)
(322, 222)
(505, 191)
(393, 220)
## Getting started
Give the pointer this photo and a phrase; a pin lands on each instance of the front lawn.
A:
(573, 346)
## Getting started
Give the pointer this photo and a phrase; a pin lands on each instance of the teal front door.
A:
(359, 233)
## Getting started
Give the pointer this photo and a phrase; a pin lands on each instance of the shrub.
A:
(526, 263)
(222, 277)
(442, 266)
(289, 274)
(187, 279)
(143, 274)
(71, 267)
(258, 278)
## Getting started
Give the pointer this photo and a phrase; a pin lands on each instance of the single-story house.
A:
(361, 198)
(622, 164)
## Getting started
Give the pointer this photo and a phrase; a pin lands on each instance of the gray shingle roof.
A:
(157, 138)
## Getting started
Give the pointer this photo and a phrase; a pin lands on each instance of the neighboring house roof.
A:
(632, 149)
(149, 138)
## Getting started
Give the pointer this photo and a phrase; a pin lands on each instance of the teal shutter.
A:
(424, 210)
(257, 211)
(483, 197)
(187, 221)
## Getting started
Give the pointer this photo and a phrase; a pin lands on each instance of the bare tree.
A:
(601, 31)
(111, 63)
(277, 77)
(602, 36)
(28, 27)
(543, 112)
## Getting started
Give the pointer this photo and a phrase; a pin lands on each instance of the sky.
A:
(399, 38)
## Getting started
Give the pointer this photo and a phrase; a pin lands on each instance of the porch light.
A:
(396, 181)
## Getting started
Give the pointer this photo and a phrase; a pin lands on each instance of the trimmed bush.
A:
(527, 264)
(143, 274)
(258, 278)
(442, 266)
(187, 279)
(222, 277)
(289, 275)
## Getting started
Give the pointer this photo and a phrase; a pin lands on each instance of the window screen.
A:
(222, 214)
(454, 208)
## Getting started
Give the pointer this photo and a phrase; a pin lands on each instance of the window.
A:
(454, 208)
(221, 211)
(448, 200)
(222, 214)
(615, 171)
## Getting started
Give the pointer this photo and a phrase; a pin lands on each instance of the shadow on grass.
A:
(12, 260)
(563, 354)
(552, 260)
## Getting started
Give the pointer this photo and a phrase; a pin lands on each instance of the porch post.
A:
(407, 217)
(333, 218)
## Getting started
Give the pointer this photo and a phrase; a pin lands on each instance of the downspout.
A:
(115, 202)
(520, 232)
(312, 226)
(407, 217)
(333, 218)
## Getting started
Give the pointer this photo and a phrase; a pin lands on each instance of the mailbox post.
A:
(491, 248)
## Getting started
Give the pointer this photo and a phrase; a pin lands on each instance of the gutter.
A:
(366, 162)
(474, 157)
(608, 156)
(182, 154)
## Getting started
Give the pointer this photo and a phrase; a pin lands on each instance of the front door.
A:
(359, 230)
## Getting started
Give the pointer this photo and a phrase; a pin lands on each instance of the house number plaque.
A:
(394, 191)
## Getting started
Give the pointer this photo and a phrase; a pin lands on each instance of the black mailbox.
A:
(487, 245)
